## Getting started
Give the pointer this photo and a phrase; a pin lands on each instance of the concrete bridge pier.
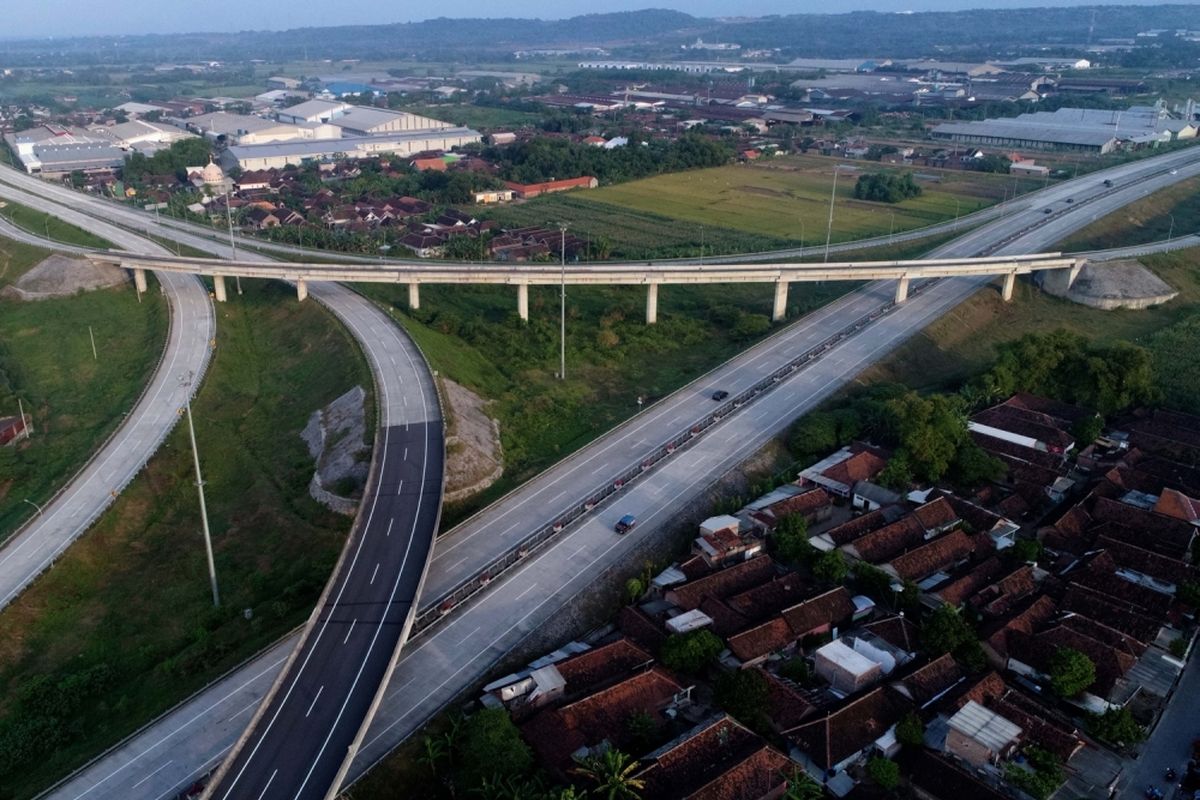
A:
(414, 296)
(1075, 270)
(301, 290)
(522, 301)
(651, 303)
(781, 297)
(902, 290)
(1010, 282)
(219, 288)
(139, 279)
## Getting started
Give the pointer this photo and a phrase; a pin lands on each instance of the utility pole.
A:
(829, 226)
(212, 568)
(562, 352)
(24, 421)
(1171, 230)
(702, 245)
(232, 243)
(92, 336)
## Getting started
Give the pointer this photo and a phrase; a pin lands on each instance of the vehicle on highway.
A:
(1174, 172)
(720, 394)
(625, 524)
(1108, 182)
(1069, 200)
(1047, 210)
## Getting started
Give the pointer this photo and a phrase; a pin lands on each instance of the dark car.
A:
(625, 524)
(720, 394)
(1069, 200)
(1047, 210)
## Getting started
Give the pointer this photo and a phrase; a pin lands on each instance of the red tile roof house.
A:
(526, 191)
(1023, 427)
(938, 556)
(833, 742)
(815, 616)
(11, 429)
(838, 473)
(815, 505)
(721, 541)
(717, 760)
(559, 735)
(722, 583)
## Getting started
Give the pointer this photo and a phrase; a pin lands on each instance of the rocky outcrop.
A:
(335, 436)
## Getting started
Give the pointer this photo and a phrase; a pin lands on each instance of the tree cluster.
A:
(544, 159)
(1107, 377)
(192, 152)
(945, 631)
(690, 652)
(883, 187)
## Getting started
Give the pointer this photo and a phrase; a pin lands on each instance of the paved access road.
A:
(168, 755)
(34, 546)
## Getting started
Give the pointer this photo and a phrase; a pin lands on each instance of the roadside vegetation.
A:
(962, 342)
(1143, 221)
(42, 224)
(123, 626)
(74, 400)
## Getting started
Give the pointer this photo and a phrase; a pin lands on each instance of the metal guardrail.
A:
(438, 609)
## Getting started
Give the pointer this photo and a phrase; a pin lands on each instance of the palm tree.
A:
(802, 787)
(613, 775)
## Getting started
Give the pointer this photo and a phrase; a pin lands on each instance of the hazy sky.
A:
(42, 18)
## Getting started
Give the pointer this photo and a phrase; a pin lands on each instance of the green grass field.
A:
(1146, 220)
(752, 207)
(74, 400)
(474, 116)
(43, 224)
(962, 343)
(123, 626)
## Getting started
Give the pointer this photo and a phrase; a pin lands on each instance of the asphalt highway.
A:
(341, 666)
(33, 547)
(185, 743)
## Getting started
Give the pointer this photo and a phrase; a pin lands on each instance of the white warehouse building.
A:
(279, 154)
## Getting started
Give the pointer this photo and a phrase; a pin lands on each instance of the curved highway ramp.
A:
(308, 728)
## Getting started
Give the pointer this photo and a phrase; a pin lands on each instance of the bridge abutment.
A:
(139, 279)
(219, 288)
(414, 296)
(781, 297)
(523, 301)
(301, 290)
(902, 290)
(651, 303)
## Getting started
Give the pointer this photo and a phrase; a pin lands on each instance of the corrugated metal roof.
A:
(984, 726)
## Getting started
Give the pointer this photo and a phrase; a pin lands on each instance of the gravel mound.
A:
(62, 276)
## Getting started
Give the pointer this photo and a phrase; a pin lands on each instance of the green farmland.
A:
(752, 207)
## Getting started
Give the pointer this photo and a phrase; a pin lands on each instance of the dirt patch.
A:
(61, 276)
(474, 458)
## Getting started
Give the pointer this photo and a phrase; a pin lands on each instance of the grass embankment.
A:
(74, 400)
(123, 626)
(1144, 221)
(40, 223)
(962, 342)
(473, 336)
(760, 206)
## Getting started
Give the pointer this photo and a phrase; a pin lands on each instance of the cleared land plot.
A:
(1144, 221)
(74, 400)
(123, 626)
(474, 116)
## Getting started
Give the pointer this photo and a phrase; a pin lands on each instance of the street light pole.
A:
(562, 350)
(35, 505)
(212, 568)
(1171, 230)
(829, 225)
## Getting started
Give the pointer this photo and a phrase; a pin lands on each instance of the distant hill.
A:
(862, 33)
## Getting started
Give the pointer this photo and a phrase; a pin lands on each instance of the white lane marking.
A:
(263, 793)
(352, 624)
(313, 704)
(405, 454)
(528, 589)
(401, 489)
(390, 523)
(152, 774)
(374, 572)
(469, 635)
(245, 708)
